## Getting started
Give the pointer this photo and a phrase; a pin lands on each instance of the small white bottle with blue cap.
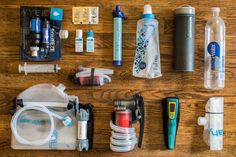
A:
(79, 41)
(90, 41)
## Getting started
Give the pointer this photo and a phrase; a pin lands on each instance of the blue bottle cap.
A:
(90, 33)
(56, 14)
(118, 12)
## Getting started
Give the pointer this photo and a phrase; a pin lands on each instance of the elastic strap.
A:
(92, 76)
(215, 112)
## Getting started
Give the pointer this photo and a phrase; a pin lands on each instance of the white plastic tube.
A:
(122, 139)
(22, 140)
(67, 121)
(38, 68)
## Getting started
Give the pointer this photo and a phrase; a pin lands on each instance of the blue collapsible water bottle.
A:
(117, 39)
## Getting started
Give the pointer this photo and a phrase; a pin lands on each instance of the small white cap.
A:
(215, 9)
(64, 34)
(21, 68)
(147, 9)
(79, 33)
(58, 68)
(202, 121)
(34, 51)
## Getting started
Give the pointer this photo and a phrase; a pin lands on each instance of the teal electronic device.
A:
(171, 113)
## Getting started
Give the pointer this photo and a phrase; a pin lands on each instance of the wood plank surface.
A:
(187, 86)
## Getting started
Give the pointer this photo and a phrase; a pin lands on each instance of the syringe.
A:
(39, 68)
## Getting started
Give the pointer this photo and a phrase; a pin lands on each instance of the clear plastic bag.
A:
(35, 125)
(213, 123)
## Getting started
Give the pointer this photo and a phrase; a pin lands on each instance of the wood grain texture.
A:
(187, 86)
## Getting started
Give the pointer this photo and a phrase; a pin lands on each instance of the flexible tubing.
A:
(122, 139)
(22, 140)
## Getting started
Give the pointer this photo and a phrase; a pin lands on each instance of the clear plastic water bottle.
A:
(215, 52)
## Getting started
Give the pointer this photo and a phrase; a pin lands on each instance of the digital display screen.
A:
(172, 107)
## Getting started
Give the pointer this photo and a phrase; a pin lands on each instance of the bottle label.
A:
(79, 45)
(213, 49)
(90, 45)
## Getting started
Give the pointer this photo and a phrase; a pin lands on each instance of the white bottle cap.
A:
(202, 121)
(21, 68)
(147, 9)
(64, 34)
(79, 33)
(215, 9)
(34, 51)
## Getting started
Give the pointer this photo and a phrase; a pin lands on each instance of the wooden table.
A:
(187, 86)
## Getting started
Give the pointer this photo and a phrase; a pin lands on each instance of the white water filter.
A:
(213, 123)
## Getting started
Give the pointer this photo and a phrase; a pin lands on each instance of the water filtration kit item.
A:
(170, 114)
(213, 123)
(45, 117)
(91, 76)
(127, 111)
(85, 120)
(184, 32)
(118, 17)
(38, 68)
(85, 15)
(215, 52)
(79, 45)
(147, 57)
(90, 41)
(41, 33)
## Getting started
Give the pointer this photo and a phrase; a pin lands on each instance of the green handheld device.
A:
(171, 112)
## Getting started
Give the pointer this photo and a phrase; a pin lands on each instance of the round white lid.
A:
(185, 10)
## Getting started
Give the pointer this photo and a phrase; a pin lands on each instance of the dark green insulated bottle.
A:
(184, 39)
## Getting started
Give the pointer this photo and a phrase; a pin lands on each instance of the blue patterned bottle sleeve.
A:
(147, 57)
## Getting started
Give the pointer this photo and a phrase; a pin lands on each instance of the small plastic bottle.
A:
(90, 41)
(79, 41)
(215, 52)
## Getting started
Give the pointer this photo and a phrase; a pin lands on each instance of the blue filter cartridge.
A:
(117, 39)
